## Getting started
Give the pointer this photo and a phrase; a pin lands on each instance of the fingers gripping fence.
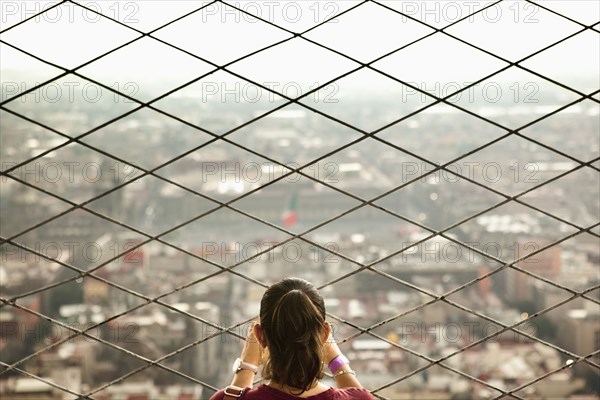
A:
(15, 302)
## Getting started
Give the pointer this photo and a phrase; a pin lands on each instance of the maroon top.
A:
(264, 392)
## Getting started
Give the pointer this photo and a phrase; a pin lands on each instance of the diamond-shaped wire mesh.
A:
(422, 187)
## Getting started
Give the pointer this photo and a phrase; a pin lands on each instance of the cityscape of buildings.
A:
(179, 295)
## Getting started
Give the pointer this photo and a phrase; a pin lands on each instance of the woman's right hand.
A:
(331, 349)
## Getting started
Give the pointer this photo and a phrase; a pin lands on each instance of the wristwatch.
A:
(239, 365)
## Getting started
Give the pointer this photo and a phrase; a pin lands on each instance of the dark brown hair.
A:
(292, 316)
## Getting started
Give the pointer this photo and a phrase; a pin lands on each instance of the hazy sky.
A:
(69, 36)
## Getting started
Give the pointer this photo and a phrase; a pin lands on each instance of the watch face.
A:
(236, 364)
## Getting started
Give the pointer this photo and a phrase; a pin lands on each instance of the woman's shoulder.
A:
(352, 393)
(249, 394)
(262, 392)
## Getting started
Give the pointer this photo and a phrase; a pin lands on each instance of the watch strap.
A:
(247, 366)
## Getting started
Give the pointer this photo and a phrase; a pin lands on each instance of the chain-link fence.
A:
(416, 187)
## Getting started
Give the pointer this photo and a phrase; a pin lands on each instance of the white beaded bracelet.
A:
(340, 373)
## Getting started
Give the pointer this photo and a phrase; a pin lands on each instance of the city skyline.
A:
(455, 242)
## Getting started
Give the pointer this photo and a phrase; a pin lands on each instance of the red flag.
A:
(290, 215)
